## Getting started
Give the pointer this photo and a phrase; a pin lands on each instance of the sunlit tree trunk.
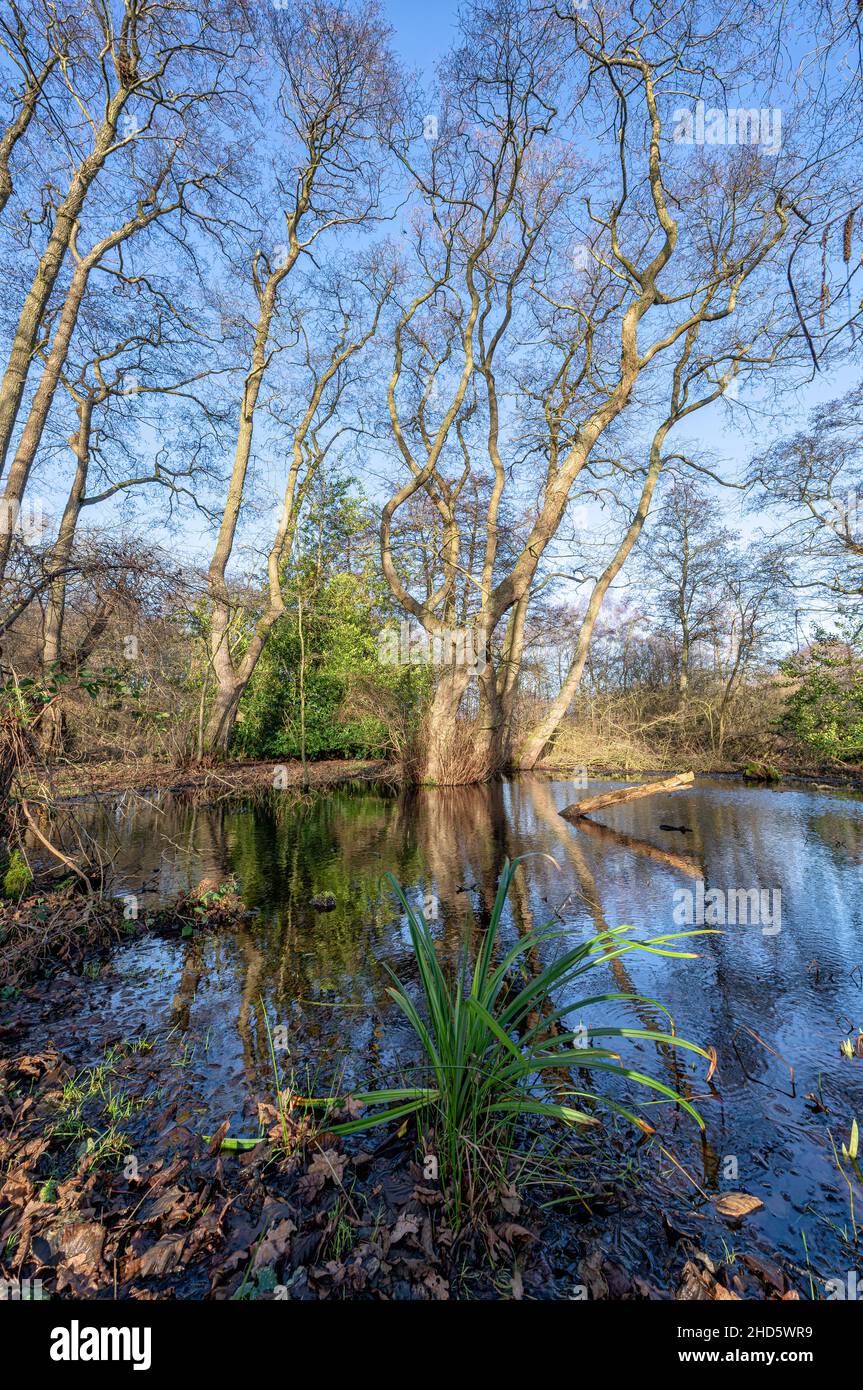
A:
(443, 745)
(40, 406)
(52, 722)
(33, 88)
(30, 322)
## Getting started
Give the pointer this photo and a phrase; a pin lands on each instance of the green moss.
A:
(761, 772)
(17, 876)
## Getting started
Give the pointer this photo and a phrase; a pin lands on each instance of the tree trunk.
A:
(223, 717)
(52, 723)
(18, 127)
(490, 735)
(446, 751)
(621, 794)
(509, 677)
(31, 435)
(30, 321)
(231, 680)
(536, 741)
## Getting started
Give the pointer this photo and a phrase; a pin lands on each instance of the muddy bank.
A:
(113, 1189)
(71, 780)
(128, 1172)
(66, 928)
(790, 774)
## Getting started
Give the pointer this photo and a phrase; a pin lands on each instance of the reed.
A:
(498, 1050)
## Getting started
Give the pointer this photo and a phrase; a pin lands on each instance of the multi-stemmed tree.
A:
(573, 258)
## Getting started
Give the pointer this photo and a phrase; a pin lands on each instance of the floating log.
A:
(596, 803)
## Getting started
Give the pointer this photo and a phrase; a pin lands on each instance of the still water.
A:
(774, 997)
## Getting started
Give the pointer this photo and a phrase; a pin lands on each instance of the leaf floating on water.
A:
(737, 1204)
(711, 1051)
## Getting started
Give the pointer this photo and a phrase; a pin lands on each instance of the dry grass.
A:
(579, 746)
(462, 757)
(226, 778)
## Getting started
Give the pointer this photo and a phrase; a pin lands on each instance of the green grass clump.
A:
(499, 1052)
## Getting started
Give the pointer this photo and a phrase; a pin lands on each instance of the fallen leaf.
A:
(736, 1205)
(81, 1245)
(696, 1284)
(405, 1226)
(330, 1163)
(215, 1142)
(590, 1273)
(275, 1244)
(509, 1199)
(161, 1258)
(437, 1287)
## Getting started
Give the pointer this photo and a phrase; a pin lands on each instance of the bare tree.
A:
(34, 51)
(148, 362)
(813, 481)
(576, 287)
(168, 65)
(336, 93)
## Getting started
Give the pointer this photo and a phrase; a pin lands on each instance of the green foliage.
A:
(825, 709)
(29, 696)
(322, 666)
(489, 1036)
(341, 655)
(17, 876)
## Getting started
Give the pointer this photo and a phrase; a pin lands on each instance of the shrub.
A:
(825, 710)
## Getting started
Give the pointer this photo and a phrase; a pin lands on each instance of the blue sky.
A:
(422, 31)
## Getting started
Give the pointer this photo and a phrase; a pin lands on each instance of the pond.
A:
(775, 996)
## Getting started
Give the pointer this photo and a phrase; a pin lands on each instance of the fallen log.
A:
(596, 803)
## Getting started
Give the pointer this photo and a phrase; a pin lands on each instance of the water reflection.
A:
(766, 1002)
